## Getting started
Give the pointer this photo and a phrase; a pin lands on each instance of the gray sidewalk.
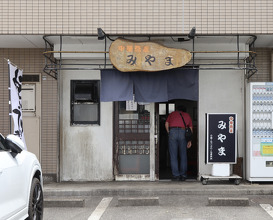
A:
(130, 188)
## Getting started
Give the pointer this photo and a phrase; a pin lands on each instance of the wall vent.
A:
(31, 78)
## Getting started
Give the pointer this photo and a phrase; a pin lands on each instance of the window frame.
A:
(73, 84)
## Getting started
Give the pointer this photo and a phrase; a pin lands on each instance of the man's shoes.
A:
(175, 178)
(182, 178)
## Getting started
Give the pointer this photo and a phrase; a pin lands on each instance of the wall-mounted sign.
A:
(221, 138)
(131, 56)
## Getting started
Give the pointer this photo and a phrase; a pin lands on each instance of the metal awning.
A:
(230, 52)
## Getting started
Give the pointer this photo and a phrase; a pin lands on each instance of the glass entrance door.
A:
(134, 141)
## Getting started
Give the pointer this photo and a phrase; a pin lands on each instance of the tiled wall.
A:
(263, 64)
(4, 93)
(49, 128)
(32, 61)
(135, 16)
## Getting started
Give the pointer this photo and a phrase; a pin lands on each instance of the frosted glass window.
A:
(85, 104)
(162, 109)
(171, 108)
(87, 112)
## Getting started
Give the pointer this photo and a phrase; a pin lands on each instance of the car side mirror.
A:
(14, 144)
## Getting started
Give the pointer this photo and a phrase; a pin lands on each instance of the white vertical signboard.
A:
(131, 105)
(16, 76)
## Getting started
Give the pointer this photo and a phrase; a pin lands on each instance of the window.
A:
(85, 104)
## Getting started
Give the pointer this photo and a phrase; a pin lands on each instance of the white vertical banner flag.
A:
(16, 76)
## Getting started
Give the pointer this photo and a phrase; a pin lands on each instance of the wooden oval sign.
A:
(131, 56)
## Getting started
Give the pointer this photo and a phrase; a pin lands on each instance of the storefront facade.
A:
(131, 144)
(84, 138)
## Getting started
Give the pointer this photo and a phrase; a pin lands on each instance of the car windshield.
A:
(1, 147)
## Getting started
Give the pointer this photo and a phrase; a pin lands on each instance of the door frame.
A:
(193, 168)
(152, 176)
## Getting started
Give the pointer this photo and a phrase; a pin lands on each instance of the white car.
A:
(21, 183)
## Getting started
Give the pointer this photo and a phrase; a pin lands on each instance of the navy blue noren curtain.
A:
(149, 86)
(183, 84)
(115, 86)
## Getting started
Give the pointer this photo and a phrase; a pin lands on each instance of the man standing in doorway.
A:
(177, 142)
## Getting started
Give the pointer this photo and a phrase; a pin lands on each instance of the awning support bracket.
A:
(52, 65)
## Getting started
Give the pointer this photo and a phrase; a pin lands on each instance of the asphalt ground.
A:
(219, 199)
(171, 207)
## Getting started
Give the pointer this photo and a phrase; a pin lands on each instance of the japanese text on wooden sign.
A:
(129, 56)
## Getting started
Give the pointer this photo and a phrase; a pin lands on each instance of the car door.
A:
(12, 184)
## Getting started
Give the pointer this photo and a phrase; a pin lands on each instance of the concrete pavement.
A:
(166, 187)
(221, 192)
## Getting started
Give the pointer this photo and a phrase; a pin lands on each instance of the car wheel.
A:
(36, 201)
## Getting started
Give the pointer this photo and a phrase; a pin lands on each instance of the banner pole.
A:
(9, 99)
